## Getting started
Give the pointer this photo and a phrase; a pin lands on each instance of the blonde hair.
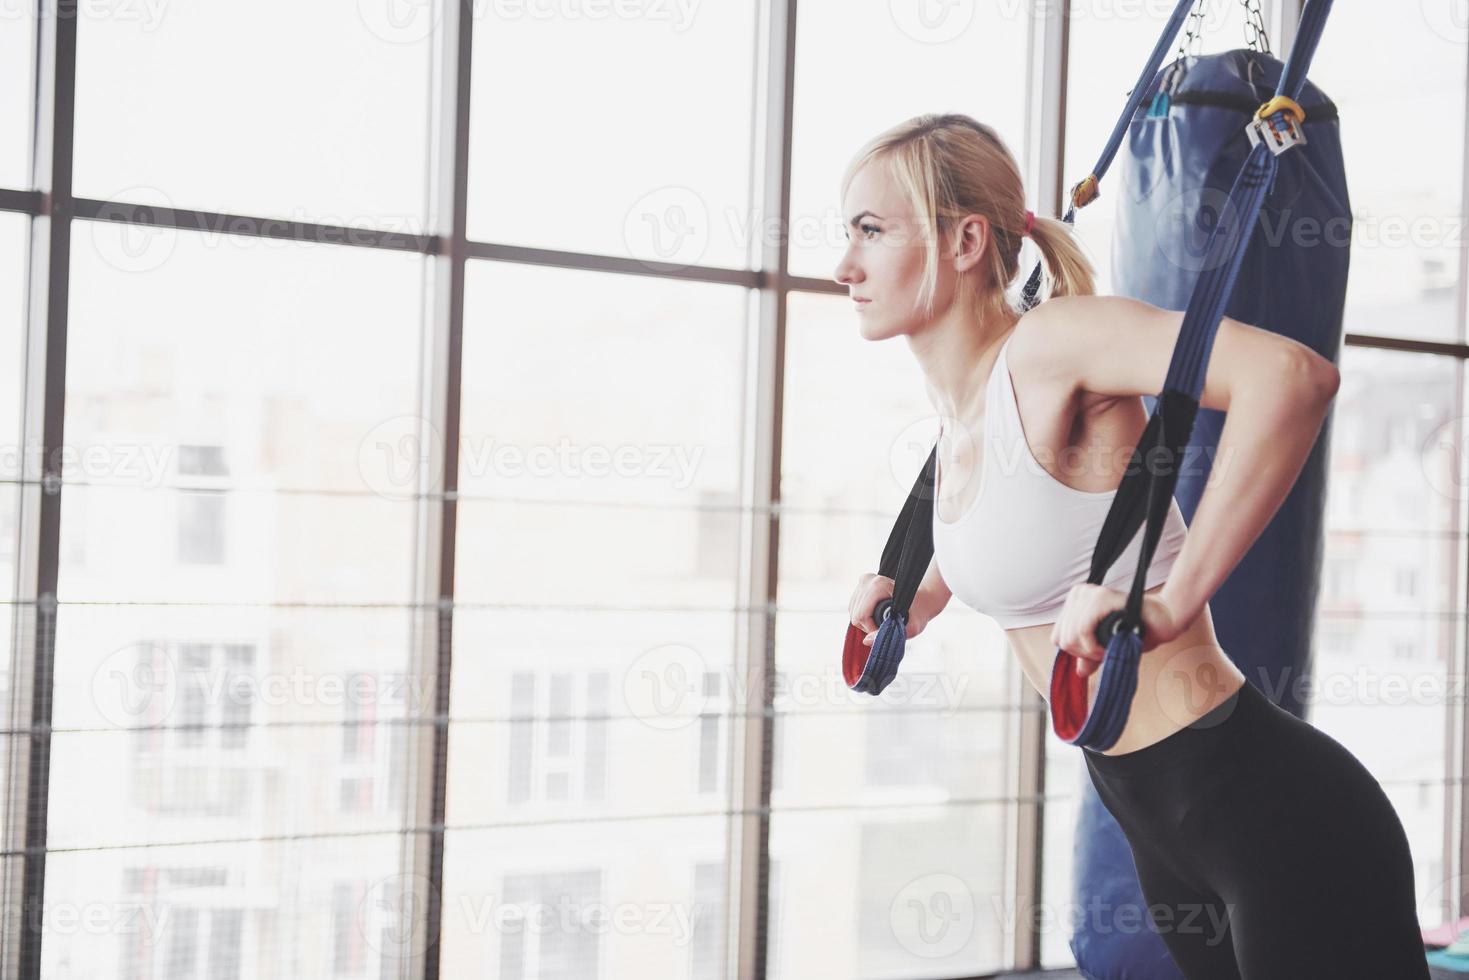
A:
(950, 165)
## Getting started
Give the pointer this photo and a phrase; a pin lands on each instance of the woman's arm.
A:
(1276, 392)
(1273, 421)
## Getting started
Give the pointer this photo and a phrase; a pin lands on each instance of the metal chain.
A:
(1192, 36)
(1255, 35)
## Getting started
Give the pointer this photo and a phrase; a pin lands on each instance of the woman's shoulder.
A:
(1045, 348)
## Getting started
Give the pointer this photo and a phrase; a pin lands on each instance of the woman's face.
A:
(883, 264)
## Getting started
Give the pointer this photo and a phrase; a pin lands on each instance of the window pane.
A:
(581, 900)
(313, 112)
(1407, 220)
(919, 894)
(211, 722)
(1387, 649)
(1109, 43)
(240, 455)
(532, 748)
(17, 48)
(229, 911)
(861, 68)
(600, 447)
(235, 569)
(636, 140)
(597, 548)
(941, 737)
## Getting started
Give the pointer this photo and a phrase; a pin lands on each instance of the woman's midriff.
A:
(1178, 682)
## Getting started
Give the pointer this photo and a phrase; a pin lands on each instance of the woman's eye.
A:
(867, 228)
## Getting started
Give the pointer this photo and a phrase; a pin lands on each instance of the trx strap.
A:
(1146, 490)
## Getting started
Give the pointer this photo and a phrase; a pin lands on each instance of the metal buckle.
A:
(1279, 132)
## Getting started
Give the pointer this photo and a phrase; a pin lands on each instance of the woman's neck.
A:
(956, 355)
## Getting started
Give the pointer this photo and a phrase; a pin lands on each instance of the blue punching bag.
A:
(1184, 150)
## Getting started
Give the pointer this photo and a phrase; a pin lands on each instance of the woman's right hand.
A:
(872, 589)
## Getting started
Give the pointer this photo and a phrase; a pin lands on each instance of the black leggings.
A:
(1265, 849)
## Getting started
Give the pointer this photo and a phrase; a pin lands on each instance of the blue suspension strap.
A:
(1086, 191)
(1147, 486)
(909, 547)
(905, 559)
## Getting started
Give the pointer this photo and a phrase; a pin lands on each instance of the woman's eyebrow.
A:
(864, 214)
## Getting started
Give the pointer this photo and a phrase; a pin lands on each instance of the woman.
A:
(1263, 847)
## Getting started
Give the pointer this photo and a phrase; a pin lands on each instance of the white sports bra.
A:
(1028, 538)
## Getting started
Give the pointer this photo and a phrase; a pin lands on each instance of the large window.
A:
(1388, 640)
(1407, 234)
(894, 808)
(622, 129)
(303, 112)
(594, 679)
(250, 770)
(235, 572)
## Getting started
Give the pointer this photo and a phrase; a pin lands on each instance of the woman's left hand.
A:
(1087, 605)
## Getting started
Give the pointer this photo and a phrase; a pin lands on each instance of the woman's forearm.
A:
(1269, 430)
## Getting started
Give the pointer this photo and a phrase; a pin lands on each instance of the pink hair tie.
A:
(1029, 221)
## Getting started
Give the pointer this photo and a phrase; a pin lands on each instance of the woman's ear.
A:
(972, 236)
